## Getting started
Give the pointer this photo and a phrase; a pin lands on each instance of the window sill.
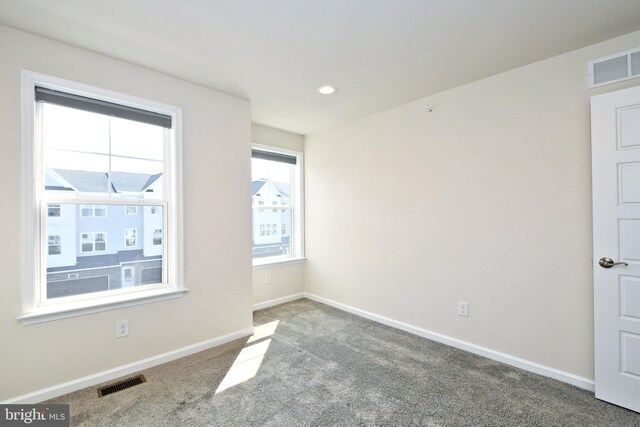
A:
(275, 262)
(80, 308)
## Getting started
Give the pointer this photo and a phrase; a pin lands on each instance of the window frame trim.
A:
(33, 310)
(297, 208)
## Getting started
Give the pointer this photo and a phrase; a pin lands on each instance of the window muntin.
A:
(276, 182)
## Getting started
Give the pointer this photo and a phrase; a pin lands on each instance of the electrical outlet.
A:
(267, 279)
(463, 309)
(122, 328)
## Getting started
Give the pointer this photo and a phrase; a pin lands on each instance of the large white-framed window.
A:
(277, 176)
(89, 151)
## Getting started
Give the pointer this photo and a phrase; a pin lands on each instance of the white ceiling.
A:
(378, 53)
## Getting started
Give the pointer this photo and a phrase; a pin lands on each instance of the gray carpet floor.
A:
(324, 367)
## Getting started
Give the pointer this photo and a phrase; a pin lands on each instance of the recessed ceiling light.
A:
(326, 90)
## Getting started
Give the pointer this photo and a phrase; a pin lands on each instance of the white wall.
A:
(486, 200)
(216, 142)
(286, 279)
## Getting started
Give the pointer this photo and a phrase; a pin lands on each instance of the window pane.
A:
(137, 176)
(135, 166)
(83, 257)
(93, 153)
(70, 129)
(67, 171)
(135, 139)
(272, 187)
(266, 170)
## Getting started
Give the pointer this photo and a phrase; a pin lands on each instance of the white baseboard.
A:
(277, 301)
(527, 365)
(112, 374)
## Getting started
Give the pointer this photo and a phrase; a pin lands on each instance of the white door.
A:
(615, 151)
(128, 277)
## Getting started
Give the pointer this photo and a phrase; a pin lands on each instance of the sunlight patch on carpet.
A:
(250, 358)
(263, 331)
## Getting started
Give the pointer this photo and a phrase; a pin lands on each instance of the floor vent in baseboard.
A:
(121, 385)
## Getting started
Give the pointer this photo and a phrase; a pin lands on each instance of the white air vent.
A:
(614, 68)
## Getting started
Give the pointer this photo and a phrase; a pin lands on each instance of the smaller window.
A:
(261, 202)
(131, 210)
(55, 244)
(93, 242)
(284, 229)
(93, 210)
(130, 237)
(157, 237)
(53, 210)
(154, 210)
